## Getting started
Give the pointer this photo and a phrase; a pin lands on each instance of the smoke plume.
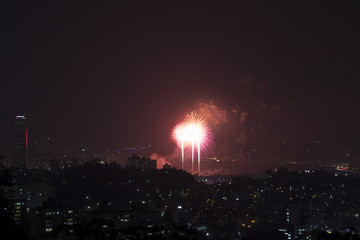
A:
(161, 161)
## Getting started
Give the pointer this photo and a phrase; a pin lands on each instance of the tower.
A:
(20, 142)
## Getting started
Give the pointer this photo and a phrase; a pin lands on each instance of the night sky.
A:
(104, 73)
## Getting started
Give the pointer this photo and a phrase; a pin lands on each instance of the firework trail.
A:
(182, 155)
(192, 157)
(178, 135)
(198, 149)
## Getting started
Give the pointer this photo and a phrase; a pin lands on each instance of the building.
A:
(141, 162)
(17, 209)
(46, 220)
(34, 190)
(20, 155)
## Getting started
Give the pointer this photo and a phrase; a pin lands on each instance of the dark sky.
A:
(104, 73)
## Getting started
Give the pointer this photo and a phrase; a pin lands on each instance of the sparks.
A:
(178, 135)
(192, 132)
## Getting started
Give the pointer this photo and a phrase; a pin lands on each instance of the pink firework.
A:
(178, 135)
(196, 134)
(193, 131)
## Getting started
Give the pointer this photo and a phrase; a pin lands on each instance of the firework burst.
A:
(190, 133)
(178, 135)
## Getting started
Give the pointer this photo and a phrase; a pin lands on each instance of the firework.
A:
(193, 131)
(178, 136)
(195, 128)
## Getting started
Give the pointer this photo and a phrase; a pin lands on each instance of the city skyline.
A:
(126, 73)
(175, 120)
